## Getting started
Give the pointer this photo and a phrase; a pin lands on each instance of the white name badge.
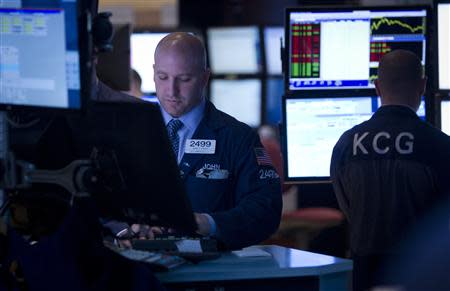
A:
(200, 146)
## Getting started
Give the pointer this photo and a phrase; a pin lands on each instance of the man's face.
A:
(179, 81)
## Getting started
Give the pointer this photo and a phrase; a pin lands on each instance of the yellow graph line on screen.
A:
(389, 22)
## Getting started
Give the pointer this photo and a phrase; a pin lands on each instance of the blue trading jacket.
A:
(236, 185)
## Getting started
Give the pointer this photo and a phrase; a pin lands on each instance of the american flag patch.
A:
(262, 158)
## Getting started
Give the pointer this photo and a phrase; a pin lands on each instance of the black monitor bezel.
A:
(85, 50)
(342, 8)
(134, 131)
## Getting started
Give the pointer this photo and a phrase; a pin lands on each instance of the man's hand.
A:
(203, 226)
(144, 231)
(138, 231)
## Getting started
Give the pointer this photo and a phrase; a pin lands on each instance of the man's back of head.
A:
(135, 84)
(400, 79)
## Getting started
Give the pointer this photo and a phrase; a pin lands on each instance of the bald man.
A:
(387, 171)
(233, 187)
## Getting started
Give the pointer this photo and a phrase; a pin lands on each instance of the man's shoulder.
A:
(105, 93)
(436, 133)
(225, 122)
(349, 133)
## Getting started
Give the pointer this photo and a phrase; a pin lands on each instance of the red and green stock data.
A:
(305, 60)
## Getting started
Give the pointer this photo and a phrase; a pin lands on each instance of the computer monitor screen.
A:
(234, 50)
(443, 31)
(445, 116)
(137, 176)
(273, 37)
(143, 46)
(312, 128)
(41, 58)
(274, 97)
(340, 48)
(239, 98)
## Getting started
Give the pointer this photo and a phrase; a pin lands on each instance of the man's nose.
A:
(173, 87)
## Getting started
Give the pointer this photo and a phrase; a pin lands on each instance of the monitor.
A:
(443, 40)
(339, 48)
(44, 55)
(234, 50)
(312, 126)
(138, 178)
(445, 116)
(113, 68)
(273, 39)
(143, 46)
(238, 98)
(274, 97)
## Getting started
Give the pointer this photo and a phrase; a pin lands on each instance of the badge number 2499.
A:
(200, 146)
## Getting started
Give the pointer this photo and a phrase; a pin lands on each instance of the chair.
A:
(301, 226)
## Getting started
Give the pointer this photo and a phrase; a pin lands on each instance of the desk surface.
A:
(284, 263)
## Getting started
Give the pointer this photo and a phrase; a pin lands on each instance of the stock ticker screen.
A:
(340, 49)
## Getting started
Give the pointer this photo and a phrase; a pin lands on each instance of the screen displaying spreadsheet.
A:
(341, 48)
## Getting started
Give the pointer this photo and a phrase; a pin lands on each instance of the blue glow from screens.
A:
(39, 56)
(341, 49)
(150, 98)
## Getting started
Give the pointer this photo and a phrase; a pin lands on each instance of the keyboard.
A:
(171, 245)
(158, 262)
(168, 243)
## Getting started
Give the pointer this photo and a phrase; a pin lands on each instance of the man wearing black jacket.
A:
(388, 171)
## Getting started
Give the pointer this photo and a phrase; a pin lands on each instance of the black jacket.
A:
(386, 173)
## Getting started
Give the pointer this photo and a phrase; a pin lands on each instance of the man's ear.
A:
(206, 75)
(423, 85)
(377, 87)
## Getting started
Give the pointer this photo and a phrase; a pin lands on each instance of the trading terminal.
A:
(72, 165)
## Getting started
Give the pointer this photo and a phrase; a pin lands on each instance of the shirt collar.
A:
(190, 119)
(399, 109)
